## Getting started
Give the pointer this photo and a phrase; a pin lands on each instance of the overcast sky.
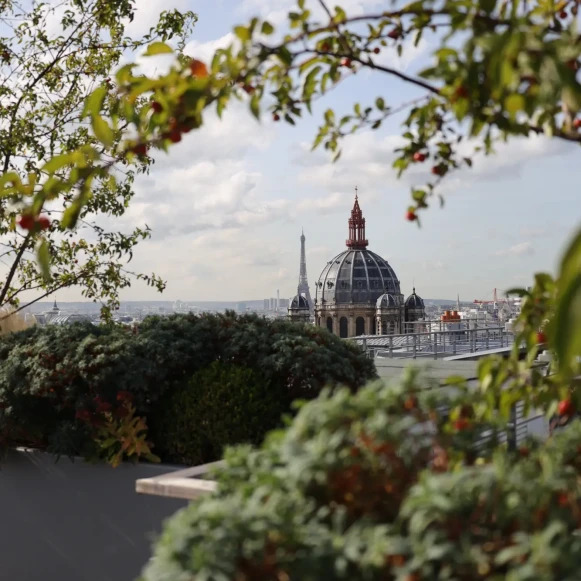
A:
(228, 204)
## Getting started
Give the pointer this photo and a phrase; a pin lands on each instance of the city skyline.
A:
(226, 206)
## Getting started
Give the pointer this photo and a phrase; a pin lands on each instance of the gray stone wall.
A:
(73, 521)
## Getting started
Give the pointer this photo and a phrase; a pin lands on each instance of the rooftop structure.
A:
(349, 291)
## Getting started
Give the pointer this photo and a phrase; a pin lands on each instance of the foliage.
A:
(301, 359)
(356, 489)
(59, 385)
(122, 435)
(53, 57)
(221, 405)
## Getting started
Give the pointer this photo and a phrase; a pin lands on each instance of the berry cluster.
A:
(30, 223)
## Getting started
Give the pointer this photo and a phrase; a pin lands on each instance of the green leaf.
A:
(94, 102)
(255, 106)
(380, 103)
(242, 33)
(56, 163)
(43, 257)
(267, 28)
(102, 130)
(514, 104)
(156, 48)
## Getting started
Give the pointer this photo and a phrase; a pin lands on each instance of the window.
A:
(343, 328)
(359, 326)
(359, 284)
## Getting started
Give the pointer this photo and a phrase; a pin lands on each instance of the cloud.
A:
(367, 159)
(521, 249)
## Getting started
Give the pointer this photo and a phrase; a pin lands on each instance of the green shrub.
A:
(221, 405)
(348, 492)
(57, 383)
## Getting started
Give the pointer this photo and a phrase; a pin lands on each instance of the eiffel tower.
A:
(303, 282)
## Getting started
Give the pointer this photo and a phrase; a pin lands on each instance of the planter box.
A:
(187, 484)
(73, 521)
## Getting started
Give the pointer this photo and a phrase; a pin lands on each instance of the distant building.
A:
(358, 292)
(298, 309)
(240, 307)
(67, 319)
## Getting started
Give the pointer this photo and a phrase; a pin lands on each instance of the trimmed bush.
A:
(221, 405)
(356, 489)
(60, 384)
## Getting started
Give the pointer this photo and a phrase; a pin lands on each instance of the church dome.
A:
(386, 301)
(414, 301)
(357, 275)
(299, 302)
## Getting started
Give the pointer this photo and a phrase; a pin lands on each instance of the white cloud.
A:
(520, 249)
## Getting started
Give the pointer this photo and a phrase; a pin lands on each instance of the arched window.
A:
(343, 328)
(359, 326)
(384, 327)
(330, 324)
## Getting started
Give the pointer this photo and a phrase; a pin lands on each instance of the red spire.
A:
(356, 238)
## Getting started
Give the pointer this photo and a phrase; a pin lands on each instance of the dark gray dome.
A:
(386, 301)
(414, 301)
(356, 276)
(299, 302)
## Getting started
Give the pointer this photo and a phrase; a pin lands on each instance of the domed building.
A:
(298, 309)
(358, 292)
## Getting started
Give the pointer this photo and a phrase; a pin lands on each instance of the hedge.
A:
(64, 388)
(356, 490)
(221, 405)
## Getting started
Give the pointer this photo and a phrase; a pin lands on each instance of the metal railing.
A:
(435, 344)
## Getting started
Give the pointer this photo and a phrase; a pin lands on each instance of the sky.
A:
(228, 203)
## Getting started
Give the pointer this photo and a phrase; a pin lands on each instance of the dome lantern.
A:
(357, 240)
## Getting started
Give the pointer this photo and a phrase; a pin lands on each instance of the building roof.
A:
(299, 302)
(414, 301)
(356, 276)
(387, 301)
(66, 319)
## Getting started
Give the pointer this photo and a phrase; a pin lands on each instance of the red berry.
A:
(43, 223)
(577, 123)
(325, 47)
(157, 107)
(419, 156)
(524, 451)
(461, 424)
(26, 222)
(249, 89)
(461, 93)
(541, 338)
(563, 14)
(566, 407)
(411, 216)
(198, 69)
(140, 149)
(345, 62)
(175, 136)
(394, 34)
(276, 117)
(376, 50)
(438, 170)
